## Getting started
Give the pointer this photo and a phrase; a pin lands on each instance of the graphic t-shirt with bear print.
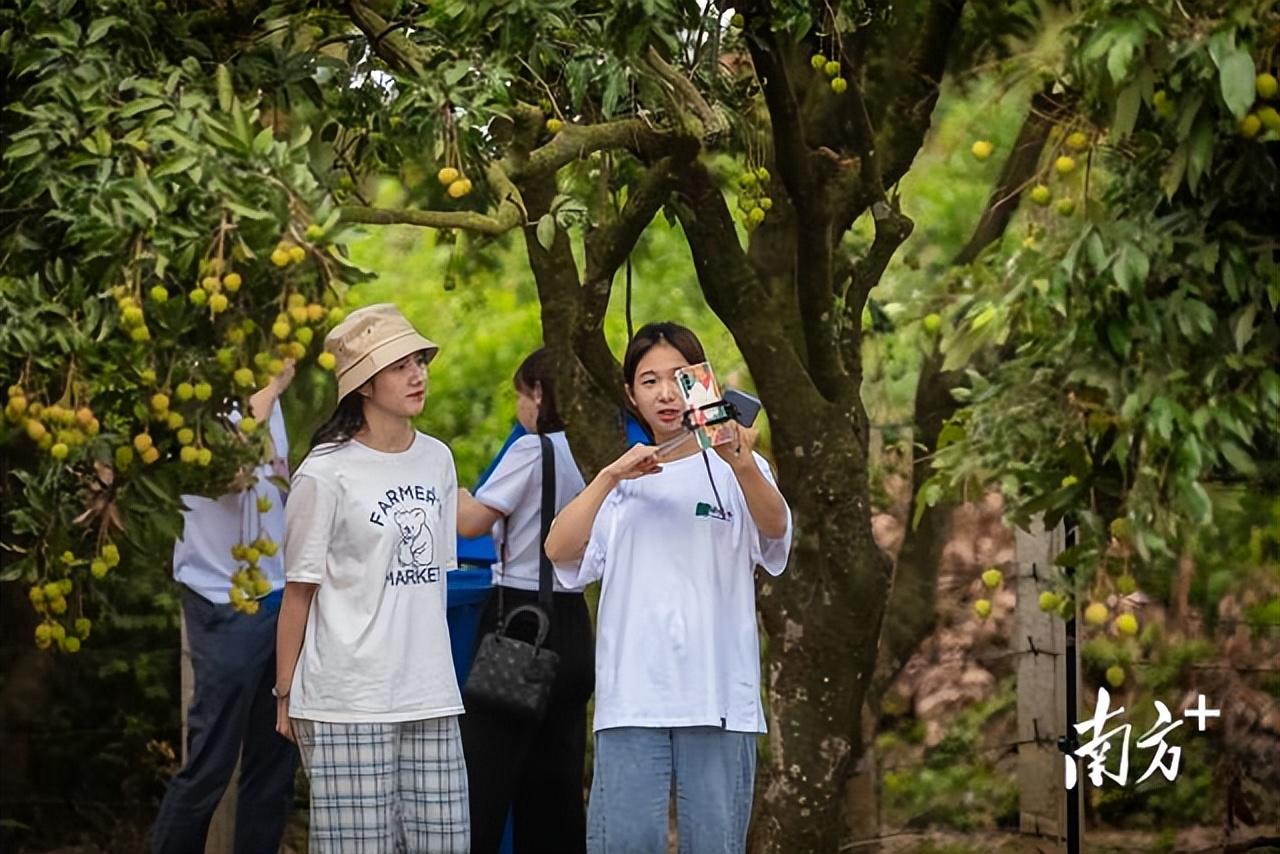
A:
(377, 532)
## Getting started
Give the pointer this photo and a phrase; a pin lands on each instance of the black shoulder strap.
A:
(548, 514)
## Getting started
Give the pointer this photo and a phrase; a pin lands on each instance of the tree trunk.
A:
(587, 378)
(823, 620)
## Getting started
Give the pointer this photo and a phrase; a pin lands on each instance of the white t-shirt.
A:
(515, 489)
(377, 531)
(211, 526)
(676, 641)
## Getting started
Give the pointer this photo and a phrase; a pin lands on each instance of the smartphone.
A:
(701, 396)
(743, 406)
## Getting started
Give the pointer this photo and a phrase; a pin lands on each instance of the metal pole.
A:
(1069, 742)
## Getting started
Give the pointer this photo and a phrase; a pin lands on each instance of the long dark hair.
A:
(651, 335)
(536, 372)
(347, 420)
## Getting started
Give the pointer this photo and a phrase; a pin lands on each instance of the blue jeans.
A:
(710, 770)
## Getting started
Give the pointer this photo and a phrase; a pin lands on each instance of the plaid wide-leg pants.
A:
(386, 788)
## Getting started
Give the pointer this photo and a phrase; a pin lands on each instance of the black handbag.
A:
(508, 674)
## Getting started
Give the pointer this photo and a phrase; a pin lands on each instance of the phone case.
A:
(698, 387)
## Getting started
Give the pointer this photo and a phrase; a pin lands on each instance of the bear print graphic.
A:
(417, 546)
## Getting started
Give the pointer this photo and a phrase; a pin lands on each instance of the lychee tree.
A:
(1138, 391)
(166, 250)
(766, 137)
(573, 124)
(776, 136)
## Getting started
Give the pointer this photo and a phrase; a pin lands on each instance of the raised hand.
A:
(638, 461)
(738, 452)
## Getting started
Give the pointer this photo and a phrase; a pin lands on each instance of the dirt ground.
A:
(1194, 840)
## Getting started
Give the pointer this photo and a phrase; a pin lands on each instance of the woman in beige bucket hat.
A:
(365, 682)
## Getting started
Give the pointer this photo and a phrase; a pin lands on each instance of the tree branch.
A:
(468, 220)
(574, 141)
(391, 46)
(793, 157)
(510, 213)
(734, 292)
(1019, 168)
(893, 227)
(908, 117)
(713, 124)
(608, 246)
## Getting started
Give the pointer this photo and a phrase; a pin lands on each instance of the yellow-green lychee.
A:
(1265, 85)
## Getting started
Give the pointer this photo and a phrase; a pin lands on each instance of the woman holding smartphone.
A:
(364, 677)
(675, 538)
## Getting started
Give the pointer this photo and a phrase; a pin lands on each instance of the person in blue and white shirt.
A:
(233, 658)
(531, 768)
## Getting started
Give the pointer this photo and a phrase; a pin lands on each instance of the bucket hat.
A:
(370, 339)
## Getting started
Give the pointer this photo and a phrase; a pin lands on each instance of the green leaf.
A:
(1131, 268)
(225, 92)
(100, 27)
(139, 105)
(1200, 505)
(1242, 325)
(1199, 151)
(246, 212)
(1171, 179)
(1236, 76)
(300, 136)
(1118, 335)
(175, 165)
(30, 145)
(546, 231)
(1127, 103)
(1128, 37)
(262, 142)
(1238, 457)
(984, 317)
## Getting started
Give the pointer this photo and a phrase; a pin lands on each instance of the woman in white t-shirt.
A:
(531, 768)
(675, 538)
(364, 675)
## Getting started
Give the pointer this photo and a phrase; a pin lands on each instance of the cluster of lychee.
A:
(1063, 165)
(1261, 115)
(211, 291)
(49, 600)
(992, 578)
(287, 252)
(248, 582)
(54, 428)
(292, 331)
(455, 183)
(754, 202)
(831, 68)
(50, 632)
(1097, 614)
(132, 318)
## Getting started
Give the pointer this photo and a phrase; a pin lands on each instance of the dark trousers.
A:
(232, 717)
(534, 769)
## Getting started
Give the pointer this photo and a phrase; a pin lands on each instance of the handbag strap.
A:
(548, 513)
